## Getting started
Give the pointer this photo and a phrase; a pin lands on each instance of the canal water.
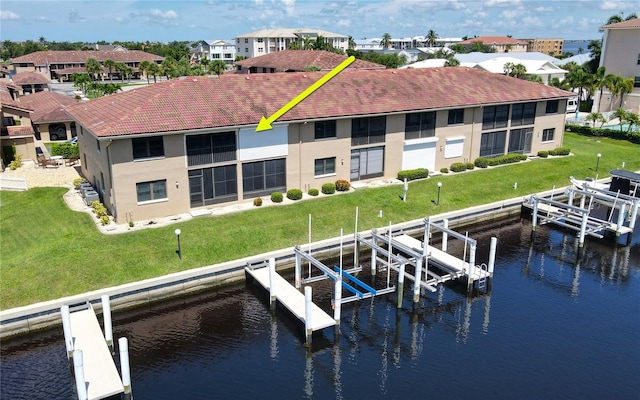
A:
(557, 324)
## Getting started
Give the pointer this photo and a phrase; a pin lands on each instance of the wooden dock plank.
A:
(100, 371)
(435, 255)
(292, 299)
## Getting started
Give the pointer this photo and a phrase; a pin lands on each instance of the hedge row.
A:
(66, 150)
(412, 174)
(633, 137)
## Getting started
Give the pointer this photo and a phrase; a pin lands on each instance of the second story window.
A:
(211, 148)
(148, 147)
(456, 116)
(420, 125)
(368, 130)
(325, 129)
(552, 106)
(523, 114)
(495, 117)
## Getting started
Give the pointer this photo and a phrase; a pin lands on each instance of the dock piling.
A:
(123, 345)
(108, 327)
(337, 299)
(308, 301)
(298, 268)
(445, 235)
(81, 385)
(66, 328)
(272, 285)
(492, 255)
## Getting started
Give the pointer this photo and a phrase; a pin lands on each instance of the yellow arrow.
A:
(265, 123)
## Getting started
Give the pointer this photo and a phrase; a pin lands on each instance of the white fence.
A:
(13, 183)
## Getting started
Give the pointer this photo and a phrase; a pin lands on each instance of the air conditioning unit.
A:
(91, 196)
(85, 187)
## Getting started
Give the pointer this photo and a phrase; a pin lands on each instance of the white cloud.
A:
(344, 23)
(159, 14)
(258, 2)
(74, 16)
(510, 14)
(502, 3)
(534, 22)
(289, 6)
(543, 9)
(610, 5)
(8, 15)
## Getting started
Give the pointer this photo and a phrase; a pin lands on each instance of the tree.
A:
(144, 68)
(386, 41)
(109, 63)
(80, 81)
(579, 79)
(633, 120)
(169, 68)
(93, 67)
(307, 43)
(621, 115)
(154, 70)
(533, 78)
(451, 62)
(596, 117)
(351, 44)
(624, 87)
(218, 67)
(515, 70)
(122, 70)
(431, 38)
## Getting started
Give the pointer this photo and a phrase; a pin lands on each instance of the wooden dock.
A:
(292, 299)
(100, 372)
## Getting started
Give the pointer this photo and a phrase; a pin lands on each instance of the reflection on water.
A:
(555, 315)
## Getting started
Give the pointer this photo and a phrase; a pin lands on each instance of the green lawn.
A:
(49, 251)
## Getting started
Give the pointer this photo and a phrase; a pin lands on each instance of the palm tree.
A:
(144, 68)
(80, 81)
(109, 63)
(621, 115)
(169, 68)
(218, 67)
(580, 50)
(307, 43)
(633, 120)
(93, 67)
(515, 70)
(386, 41)
(626, 86)
(122, 70)
(431, 38)
(154, 70)
(451, 62)
(352, 43)
(579, 79)
(596, 117)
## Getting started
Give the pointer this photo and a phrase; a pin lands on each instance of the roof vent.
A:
(195, 79)
(247, 78)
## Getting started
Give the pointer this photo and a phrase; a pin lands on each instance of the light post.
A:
(179, 251)
(598, 161)
(439, 186)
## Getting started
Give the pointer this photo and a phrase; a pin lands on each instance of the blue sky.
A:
(142, 20)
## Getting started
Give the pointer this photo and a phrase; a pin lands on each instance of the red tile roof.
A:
(494, 40)
(47, 106)
(299, 60)
(7, 101)
(8, 85)
(25, 78)
(629, 24)
(20, 130)
(65, 57)
(235, 100)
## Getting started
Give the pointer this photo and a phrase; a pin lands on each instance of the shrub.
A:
(411, 174)
(543, 154)
(99, 208)
(329, 188)
(131, 223)
(66, 150)
(77, 182)
(444, 170)
(257, 201)
(633, 137)
(342, 185)
(294, 194)
(276, 197)
(16, 163)
(481, 162)
(458, 167)
(313, 192)
(470, 165)
(104, 220)
(560, 151)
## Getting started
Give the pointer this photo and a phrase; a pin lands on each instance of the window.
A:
(368, 130)
(456, 116)
(495, 117)
(638, 59)
(547, 134)
(148, 147)
(213, 185)
(228, 55)
(552, 106)
(419, 125)
(215, 56)
(264, 177)
(246, 40)
(523, 114)
(520, 140)
(211, 148)
(367, 163)
(325, 166)
(260, 40)
(492, 144)
(148, 191)
(246, 49)
(325, 129)
(98, 145)
(260, 49)
(636, 81)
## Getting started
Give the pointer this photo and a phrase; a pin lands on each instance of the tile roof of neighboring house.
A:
(8, 85)
(494, 40)
(289, 32)
(299, 60)
(4, 69)
(234, 100)
(20, 130)
(25, 78)
(629, 24)
(52, 57)
(47, 106)
(7, 101)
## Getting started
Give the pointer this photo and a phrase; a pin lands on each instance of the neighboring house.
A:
(188, 143)
(267, 41)
(30, 82)
(4, 72)
(16, 133)
(579, 59)
(298, 61)
(501, 44)
(365, 45)
(621, 56)
(216, 50)
(544, 69)
(51, 122)
(546, 46)
(107, 47)
(59, 65)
